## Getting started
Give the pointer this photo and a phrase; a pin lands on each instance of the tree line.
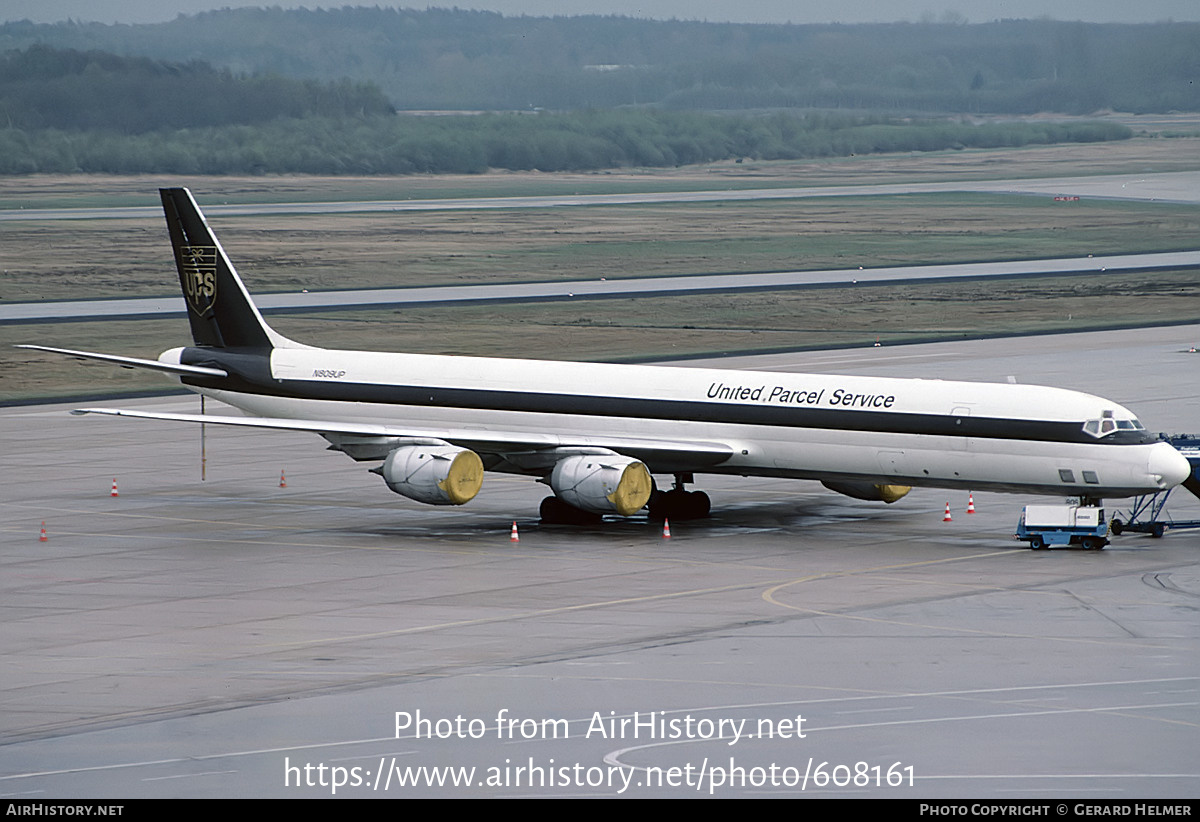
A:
(575, 141)
(44, 87)
(455, 59)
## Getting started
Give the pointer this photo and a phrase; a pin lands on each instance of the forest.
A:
(455, 59)
(43, 87)
(121, 139)
(297, 91)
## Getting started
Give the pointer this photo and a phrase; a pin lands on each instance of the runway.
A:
(604, 288)
(1162, 187)
(231, 637)
(1175, 187)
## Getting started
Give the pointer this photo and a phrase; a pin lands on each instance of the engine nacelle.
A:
(435, 474)
(602, 483)
(869, 490)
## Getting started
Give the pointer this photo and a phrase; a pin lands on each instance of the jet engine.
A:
(603, 483)
(435, 474)
(869, 491)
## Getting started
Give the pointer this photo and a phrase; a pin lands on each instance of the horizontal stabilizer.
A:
(134, 362)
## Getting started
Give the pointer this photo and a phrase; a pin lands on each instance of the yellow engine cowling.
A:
(434, 474)
(869, 491)
(602, 483)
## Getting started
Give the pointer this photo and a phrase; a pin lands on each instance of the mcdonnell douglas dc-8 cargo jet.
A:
(597, 433)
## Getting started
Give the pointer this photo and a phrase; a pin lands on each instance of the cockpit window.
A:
(1107, 425)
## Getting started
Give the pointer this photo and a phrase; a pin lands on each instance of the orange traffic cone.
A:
(946, 517)
(514, 537)
(43, 537)
(114, 488)
(666, 529)
(282, 479)
(970, 503)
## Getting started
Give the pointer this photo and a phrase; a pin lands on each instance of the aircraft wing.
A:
(520, 451)
(133, 362)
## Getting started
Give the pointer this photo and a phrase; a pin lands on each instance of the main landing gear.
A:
(556, 512)
(678, 504)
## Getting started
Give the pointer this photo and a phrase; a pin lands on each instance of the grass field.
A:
(98, 258)
(643, 329)
(1140, 155)
(69, 259)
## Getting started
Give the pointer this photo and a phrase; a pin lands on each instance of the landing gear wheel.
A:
(678, 504)
(655, 509)
(556, 512)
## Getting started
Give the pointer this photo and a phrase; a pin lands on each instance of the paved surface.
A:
(1183, 187)
(1167, 187)
(147, 307)
(212, 638)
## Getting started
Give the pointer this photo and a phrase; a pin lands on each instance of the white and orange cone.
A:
(282, 479)
(946, 517)
(114, 488)
(970, 503)
(43, 537)
(666, 529)
(514, 537)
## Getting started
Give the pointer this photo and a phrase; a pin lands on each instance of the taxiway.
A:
(604, 288)
(1163, 187)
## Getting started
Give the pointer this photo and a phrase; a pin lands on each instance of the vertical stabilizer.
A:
(219, 308)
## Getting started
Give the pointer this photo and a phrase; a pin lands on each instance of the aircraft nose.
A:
(1167, 466)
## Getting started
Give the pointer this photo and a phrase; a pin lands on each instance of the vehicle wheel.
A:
(1159, 530)
(1037, 543)
(1118, 527)
(1093, 543)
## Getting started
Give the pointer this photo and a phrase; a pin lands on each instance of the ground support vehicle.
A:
(1050, 526)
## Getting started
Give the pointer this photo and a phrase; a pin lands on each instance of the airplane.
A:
(597, 433)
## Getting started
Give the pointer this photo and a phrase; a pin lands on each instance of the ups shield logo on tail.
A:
(198, 270)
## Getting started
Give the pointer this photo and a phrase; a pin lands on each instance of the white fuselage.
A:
(883, 430)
